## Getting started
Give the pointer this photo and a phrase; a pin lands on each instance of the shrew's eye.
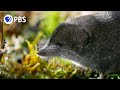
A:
(59, 44)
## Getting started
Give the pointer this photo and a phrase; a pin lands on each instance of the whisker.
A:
(63, 56)
(74, 62)
(72, 52)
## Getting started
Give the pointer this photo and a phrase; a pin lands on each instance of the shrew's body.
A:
(92, 40)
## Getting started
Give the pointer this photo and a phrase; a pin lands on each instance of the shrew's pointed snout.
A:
(49, 51)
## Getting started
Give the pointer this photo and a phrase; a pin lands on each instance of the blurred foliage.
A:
(51, 21)
(22, 61)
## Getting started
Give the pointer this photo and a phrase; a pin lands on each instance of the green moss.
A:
(33, 67)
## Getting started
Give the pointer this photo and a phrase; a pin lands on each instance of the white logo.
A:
(8, 19)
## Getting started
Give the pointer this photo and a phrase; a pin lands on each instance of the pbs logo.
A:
(8, 19)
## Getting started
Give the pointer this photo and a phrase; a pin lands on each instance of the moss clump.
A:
(33, 67)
